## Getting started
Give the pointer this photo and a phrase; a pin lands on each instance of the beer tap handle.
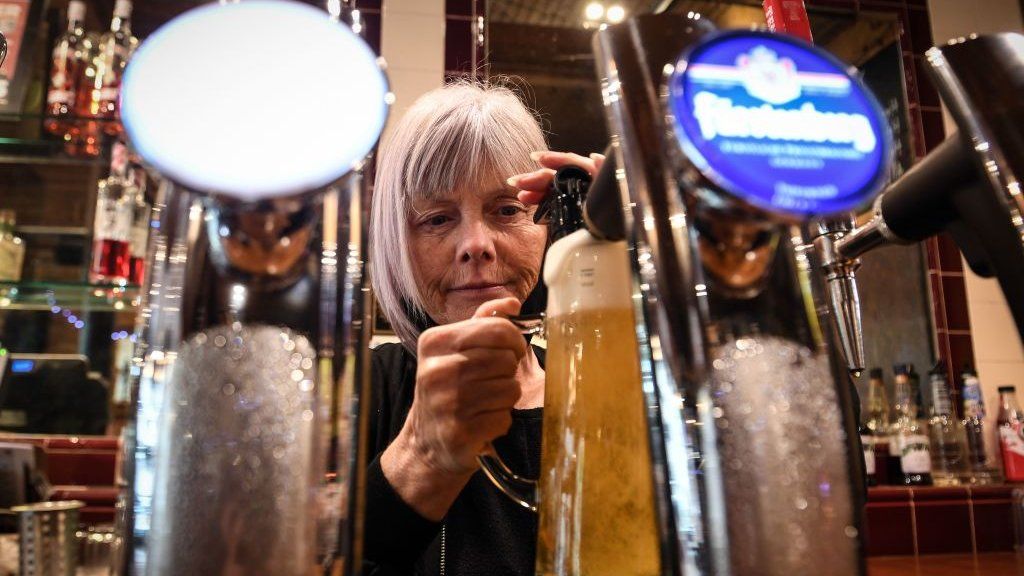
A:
(603, 209)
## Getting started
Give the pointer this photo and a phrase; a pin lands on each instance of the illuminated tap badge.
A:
(779, 123)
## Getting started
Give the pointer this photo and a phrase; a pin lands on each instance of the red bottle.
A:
(1011, 434)
(98, 93)
(111, 251)
(69, 57)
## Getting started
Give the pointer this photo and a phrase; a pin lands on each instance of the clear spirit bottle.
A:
(877, 423)
(980, 470)
(910, 436)
(12, 249)
(948, 441)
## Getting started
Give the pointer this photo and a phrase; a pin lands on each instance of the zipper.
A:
(443, 546)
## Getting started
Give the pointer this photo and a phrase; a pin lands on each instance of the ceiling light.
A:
(616, 14)
(594, 11)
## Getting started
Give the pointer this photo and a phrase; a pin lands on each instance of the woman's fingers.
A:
(534, 185)
(538, 180)
(556, 160)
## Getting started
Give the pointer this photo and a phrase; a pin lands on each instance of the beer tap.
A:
(722, 144)
(246, 449)
(970, 185)
(840, 295)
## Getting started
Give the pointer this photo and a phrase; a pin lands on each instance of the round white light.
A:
(616, 14)
(254, 100)
(594, 11)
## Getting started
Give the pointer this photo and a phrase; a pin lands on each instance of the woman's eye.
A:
(436, 221)
(510, 210)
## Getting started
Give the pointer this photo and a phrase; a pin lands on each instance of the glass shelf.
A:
(55, 296)
(42, 151)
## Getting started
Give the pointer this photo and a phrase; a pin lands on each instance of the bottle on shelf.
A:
(917, 391)
(867, 442)
(910, 436)
(139, 235)
(111, 250)
(1011, 428)
(877, 424)
(70, 55)
(12, 249)
(98, 94)
(980, 471)
(948, 441)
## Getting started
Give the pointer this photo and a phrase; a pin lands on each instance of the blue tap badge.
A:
(779, 123)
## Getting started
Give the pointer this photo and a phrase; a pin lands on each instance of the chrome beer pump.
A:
(723, 144)
(969, 186)
(244, 455)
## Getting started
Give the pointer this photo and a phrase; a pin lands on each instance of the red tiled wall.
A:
(918, 521)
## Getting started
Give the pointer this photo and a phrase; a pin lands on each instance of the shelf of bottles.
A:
(904, 445)
(79, 116)
(79, 125)
(74, 297)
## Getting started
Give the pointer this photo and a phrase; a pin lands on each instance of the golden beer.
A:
(596, 505)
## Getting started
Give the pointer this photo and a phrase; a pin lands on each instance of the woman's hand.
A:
(534, 185)
(466, 388)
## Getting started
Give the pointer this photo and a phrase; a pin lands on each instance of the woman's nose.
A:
(476, 243)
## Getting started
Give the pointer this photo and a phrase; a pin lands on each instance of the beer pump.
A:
(253, 337)
(969, 185)
(723, 145)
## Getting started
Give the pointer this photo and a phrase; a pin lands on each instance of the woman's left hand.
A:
(533, 186)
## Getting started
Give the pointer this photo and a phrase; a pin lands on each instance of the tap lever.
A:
(603, 210)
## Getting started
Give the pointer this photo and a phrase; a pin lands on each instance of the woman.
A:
(454, 250)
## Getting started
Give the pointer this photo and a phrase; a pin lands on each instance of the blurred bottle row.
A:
(120, 227)
(85, 80)
(903, 445)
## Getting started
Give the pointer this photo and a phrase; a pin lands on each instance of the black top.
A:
(484, 531)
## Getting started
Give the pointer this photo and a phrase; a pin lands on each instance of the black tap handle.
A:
(603, 208)
(919, 204)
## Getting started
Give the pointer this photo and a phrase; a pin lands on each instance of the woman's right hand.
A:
(533, 186)
(466, 388)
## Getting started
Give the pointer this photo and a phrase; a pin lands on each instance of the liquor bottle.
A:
(980, 470)
(910, 443)
(69, 58)
(877, 423)
(916, 390)
(1011, 428)
(139, 235)
(111, 252)
(867, 442)
(948, 441)
(12, 249)
(98, 95)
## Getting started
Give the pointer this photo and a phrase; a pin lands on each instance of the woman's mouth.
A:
(479, 289)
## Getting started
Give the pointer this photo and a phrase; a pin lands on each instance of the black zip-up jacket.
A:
(484, 532)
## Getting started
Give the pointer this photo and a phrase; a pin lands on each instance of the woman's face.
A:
(473, 246)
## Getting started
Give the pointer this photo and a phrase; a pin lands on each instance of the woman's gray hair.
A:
(460, 137)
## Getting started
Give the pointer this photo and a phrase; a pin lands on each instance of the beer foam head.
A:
(254, 100)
